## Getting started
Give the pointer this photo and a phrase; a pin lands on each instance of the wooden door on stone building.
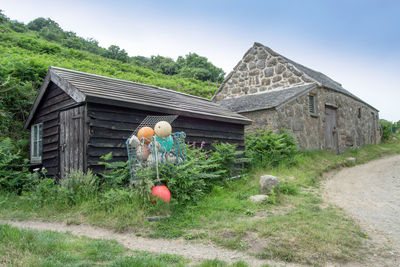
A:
(331, 134)
(72, 140)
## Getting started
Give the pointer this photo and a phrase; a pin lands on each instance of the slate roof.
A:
(85, 87)
(265, 100)
(323, 80)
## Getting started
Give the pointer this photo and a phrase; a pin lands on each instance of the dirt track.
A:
(371, 194)
(193, 251)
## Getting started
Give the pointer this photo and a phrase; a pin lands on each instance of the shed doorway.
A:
(331, 135)
(72, 140)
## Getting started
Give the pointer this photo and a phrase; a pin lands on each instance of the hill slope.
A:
(25, 57)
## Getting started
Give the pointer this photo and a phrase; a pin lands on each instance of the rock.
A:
(269, 72)
(262, 55)
(272, 62)
(265, 81)
(351, 159)
(258, 198)
(248, 58)
(293, 80)
(279, 69)
(242, 67)
(260, 64)
(252, 65)
(286, 74)
(254, 72)
(296, 71)
(276, 79)
(268, 182)
(253, 90)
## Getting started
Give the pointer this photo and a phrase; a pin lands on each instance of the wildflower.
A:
(194, 144)
(202, 144)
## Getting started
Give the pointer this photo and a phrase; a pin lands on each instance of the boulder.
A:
(258, 198)
(351, 160)
(268, 182)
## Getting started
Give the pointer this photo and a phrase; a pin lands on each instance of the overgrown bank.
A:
(294, 225)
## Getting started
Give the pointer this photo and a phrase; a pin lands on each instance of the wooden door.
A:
(331, 135)
(72, 140)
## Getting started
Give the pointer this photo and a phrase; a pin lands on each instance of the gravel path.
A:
(371, 194)
(190, 250)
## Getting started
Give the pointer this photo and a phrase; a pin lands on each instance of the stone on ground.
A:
(351, 159)
(258, 198)
(268, 182)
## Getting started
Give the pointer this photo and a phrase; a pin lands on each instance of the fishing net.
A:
(155, 151)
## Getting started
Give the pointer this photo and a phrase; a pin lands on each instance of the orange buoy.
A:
(145, 133)
(161, 191)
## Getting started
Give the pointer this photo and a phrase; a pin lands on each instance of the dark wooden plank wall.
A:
(110, 126)
(48, 113)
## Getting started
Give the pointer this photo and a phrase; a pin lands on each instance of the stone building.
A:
(275, 92)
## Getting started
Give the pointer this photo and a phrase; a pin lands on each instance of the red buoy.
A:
(161, 191)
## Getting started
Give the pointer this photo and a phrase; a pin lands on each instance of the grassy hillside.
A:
(25, 58)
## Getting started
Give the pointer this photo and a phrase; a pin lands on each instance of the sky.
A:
(356, 43)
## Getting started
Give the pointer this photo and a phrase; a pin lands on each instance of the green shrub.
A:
(288, 188)
(13, 168)
(265, 148)
(386, 129)
(78, 186)
(190, 181)
(115, 197)
(45, 193)
(116, 172)
(228, 158)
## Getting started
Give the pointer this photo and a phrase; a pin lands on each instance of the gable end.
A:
(68, 88)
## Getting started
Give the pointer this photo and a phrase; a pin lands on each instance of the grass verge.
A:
(46, 248)
(295, 225)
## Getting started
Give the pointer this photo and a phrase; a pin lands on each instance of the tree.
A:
(198, 67)
(17, 26)
(115, 52)
(40, 23)
(3, 18)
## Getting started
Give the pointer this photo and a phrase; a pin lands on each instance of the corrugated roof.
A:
(88, 87)
(264, 100)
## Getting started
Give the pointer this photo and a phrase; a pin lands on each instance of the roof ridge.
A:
(144, 84)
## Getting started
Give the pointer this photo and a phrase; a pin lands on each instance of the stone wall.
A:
(357, 123)
(261, 69)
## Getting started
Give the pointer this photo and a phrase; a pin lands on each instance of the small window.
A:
(312, 104)
(36, 143)
(359, 113)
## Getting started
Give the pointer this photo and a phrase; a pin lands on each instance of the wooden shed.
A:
(78, 117)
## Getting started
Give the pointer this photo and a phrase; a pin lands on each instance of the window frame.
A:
(314, 104)
(37, 143)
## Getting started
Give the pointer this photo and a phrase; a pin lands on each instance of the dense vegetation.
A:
(26, 52)
(190, 66)
(389, 129)
(205, 204)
